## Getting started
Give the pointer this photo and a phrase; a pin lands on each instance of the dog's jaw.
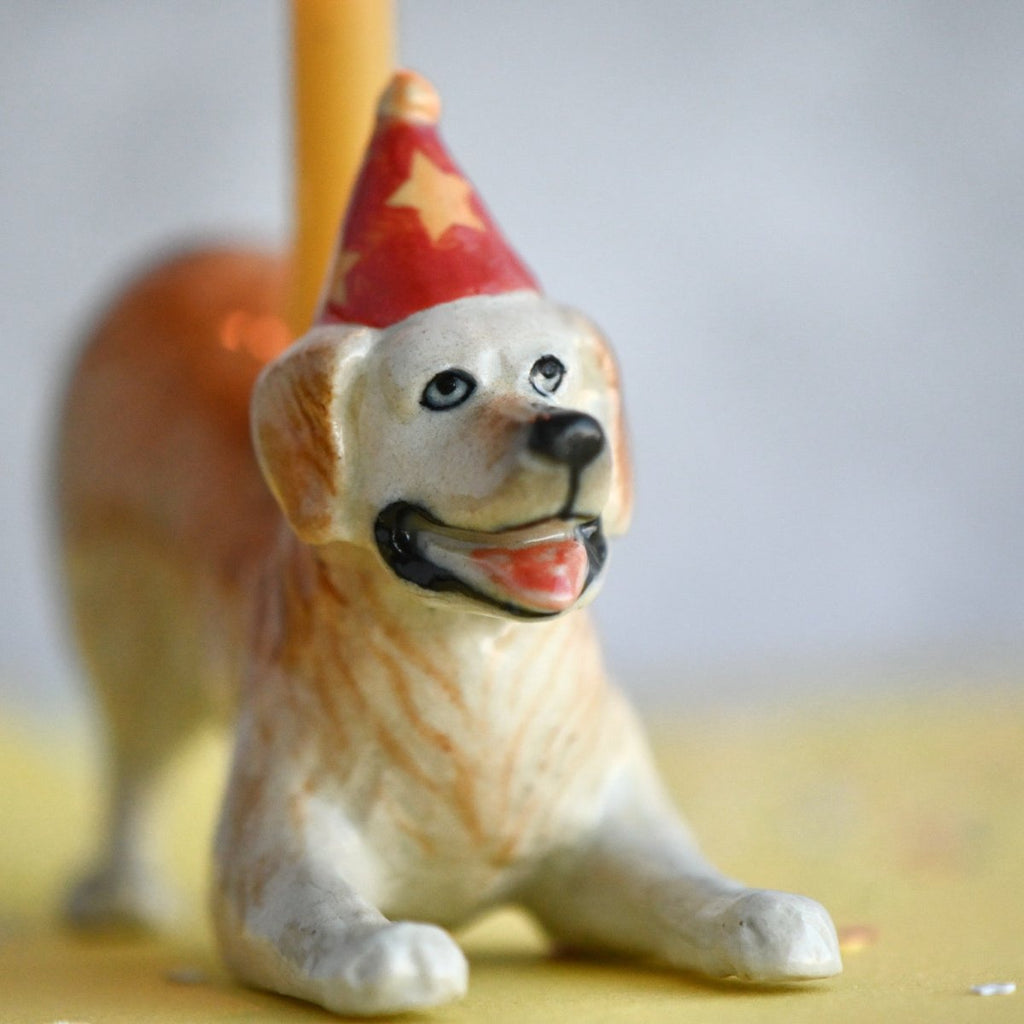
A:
(532, 571)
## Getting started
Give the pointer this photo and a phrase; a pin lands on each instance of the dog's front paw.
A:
(396, 967)
(766, 936)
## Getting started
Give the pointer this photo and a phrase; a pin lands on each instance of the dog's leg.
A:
(293, 915)
(639, 886)
(140, 647)
(123, 889)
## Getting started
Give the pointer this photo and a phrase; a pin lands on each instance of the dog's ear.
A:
(300, 415)
(619, 509)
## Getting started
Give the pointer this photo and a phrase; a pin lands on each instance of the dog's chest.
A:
(459, 759)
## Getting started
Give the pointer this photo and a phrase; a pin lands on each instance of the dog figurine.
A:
(424, 725)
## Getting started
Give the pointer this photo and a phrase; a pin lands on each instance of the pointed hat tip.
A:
(411, 98)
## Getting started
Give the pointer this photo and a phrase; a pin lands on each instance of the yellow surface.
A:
(904, 817)
(342, 56)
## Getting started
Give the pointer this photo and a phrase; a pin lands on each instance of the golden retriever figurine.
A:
(424, 727)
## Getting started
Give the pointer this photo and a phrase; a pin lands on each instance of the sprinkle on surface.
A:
(186, 976)
(994, 988)
(855, 937)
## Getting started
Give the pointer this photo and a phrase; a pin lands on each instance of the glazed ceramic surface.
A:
(390, 583)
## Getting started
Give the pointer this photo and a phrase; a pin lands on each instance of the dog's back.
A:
(163, 513)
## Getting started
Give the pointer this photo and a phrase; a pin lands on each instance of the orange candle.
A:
(342, 57)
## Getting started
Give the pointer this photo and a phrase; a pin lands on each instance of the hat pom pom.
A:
(410, 98)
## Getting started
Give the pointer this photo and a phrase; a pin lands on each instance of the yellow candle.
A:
(342, 56)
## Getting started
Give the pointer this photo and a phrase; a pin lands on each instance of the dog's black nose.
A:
(572, 438)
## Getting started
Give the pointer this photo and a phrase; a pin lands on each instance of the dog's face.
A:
(477, 447)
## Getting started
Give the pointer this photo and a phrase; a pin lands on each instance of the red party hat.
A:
(416, 233)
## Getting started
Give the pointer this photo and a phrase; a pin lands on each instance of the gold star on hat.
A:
(345, 262)
(442, 200)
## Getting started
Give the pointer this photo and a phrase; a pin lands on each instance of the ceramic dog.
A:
(424, 725)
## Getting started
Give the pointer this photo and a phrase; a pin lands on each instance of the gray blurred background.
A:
(801, 223)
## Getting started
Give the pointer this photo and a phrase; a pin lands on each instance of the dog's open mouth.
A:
(535, 570)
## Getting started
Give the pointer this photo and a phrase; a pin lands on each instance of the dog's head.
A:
(477, 446)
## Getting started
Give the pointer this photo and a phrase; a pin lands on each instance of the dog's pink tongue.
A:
(549, 576)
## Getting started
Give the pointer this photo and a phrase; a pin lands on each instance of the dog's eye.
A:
(448, 389)
(547, 374)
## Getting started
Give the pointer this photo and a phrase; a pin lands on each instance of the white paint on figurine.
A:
(425, 729)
